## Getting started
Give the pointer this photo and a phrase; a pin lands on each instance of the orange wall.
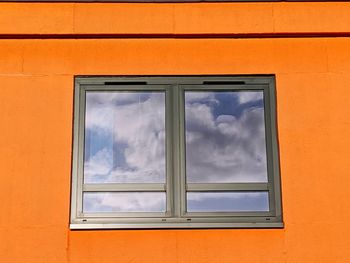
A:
(36, 100)
(65, 18)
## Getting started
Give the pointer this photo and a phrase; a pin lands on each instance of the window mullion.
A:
(132, 187)
(200, 187)
(271, 168)
(80, 95)
(169, 127)
(177, 152)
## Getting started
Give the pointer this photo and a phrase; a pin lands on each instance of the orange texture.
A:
(185, 18)
(36, 112)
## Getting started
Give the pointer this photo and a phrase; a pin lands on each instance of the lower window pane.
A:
(94, 202)
(227, 201)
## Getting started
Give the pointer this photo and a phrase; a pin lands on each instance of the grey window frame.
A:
(175, 187)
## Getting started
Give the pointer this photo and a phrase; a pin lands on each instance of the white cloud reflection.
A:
(125, 143)
(125, 139)
(225, 140)
(244, 97)
(124, 202)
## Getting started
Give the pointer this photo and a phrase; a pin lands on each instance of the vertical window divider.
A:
(273, 155)
(75, 155)
(177, 157)
(182, 144)
(169, 135)
(269, 147)
(80, 156)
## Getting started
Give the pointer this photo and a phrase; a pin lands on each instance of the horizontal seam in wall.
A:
(177, 36)
(164, 1)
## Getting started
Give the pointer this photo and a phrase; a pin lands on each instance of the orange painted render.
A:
(142, 18)
(36, 111)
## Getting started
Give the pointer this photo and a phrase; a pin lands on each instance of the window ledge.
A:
(176, 225)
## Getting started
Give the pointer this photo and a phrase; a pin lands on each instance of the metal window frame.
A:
(176, 188)
(77, 213)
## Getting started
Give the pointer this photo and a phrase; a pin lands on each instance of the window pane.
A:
(225, 137)
(227, 201)
(124, 202)
(124, 137)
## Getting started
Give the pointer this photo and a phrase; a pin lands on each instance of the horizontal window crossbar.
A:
(223, 87)
(123, 87)
(228, 214)
(196, 187)
(176, 225)
(131, 187)
(223, 83)
(125, 83)
(99, 82)
(128, 215)
(89, 218)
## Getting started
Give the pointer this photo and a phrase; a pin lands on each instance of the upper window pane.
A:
(225, 136)
(124, 137)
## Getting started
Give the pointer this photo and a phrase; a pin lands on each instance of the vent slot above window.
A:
(223, 82)
(125, 83)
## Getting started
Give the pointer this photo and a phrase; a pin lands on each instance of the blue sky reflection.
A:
(227, 202)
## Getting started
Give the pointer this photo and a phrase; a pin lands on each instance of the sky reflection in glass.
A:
(94, 202)
(124, 137)
(225, 137)
(227, 202)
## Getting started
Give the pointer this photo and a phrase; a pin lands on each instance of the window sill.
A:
(166, 225)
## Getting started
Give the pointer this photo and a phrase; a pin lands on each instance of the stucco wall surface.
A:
(178, 18)
(36, 111)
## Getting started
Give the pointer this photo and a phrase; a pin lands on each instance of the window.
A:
(175, 152)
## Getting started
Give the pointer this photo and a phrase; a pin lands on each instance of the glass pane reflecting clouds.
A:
(124, 202)
(227, 202)
(225, 137)
(124, 137)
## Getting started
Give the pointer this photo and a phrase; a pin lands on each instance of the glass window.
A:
(225, 137)
(124, 137)
(124, 202)
(227, 201)
(175, 152)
